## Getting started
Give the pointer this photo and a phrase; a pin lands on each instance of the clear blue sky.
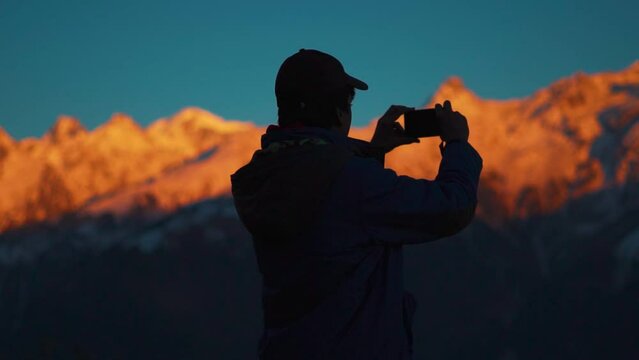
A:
(151, 58)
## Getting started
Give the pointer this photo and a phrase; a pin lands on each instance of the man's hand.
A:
(389, 134)
(454, 125)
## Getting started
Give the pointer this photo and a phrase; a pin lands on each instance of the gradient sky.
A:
(151, 58)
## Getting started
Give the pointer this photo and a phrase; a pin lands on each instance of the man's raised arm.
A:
(401, 209)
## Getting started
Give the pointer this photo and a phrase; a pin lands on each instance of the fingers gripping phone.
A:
(421, 123)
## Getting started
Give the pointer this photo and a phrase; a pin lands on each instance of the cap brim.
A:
(357, 83)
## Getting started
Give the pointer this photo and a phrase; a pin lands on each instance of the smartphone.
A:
(421, 123)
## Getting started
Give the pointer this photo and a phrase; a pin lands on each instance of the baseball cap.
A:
(310, 73)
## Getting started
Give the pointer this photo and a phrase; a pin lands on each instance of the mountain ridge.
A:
(578, 135)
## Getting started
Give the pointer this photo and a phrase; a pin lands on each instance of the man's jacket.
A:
(328, 223)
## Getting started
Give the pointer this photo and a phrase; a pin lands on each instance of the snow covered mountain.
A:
(70, 166)
(579, 135)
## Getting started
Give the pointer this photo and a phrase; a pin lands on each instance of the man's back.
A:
(328, 226)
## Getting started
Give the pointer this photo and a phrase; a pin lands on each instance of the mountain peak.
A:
(195, 117)
(634, 67)
(119, 118)
(4, 136)
(191, 118)
(65, 127)
(452, 88)
(122, 121)
(6, 141)
(453, 83)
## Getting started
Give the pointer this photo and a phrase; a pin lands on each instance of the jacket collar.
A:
(275, 133)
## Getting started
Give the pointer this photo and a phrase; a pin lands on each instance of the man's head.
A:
(312, 88)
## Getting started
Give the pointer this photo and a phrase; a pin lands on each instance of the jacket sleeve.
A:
(363, 148)
(399, 209)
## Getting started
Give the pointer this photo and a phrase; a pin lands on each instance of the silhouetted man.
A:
(328, 220)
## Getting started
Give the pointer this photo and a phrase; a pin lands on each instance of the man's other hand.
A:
(453, 124)
(389, 134)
